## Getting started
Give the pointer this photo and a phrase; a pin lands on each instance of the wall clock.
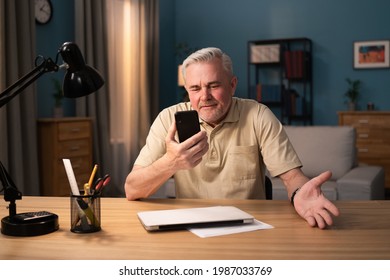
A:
(43, 11)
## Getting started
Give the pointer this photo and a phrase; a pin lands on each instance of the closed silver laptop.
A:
(193, 217)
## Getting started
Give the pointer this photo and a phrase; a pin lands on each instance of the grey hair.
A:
(206, 55)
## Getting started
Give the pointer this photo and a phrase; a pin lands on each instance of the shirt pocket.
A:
(243, 162)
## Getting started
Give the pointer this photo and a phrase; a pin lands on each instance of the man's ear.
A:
(233, 84)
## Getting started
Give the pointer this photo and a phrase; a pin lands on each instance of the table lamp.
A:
(80, 80)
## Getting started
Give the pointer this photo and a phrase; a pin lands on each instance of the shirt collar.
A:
(233, 114)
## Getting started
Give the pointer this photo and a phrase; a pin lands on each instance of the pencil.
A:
(92, 175)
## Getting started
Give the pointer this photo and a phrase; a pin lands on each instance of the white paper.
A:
(217, 231)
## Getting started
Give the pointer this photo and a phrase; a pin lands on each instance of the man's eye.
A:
(194, 89)
(214, 86)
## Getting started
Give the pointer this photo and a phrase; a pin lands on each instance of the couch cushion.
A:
(322, 148)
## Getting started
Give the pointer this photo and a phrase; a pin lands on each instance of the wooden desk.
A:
(361, 232)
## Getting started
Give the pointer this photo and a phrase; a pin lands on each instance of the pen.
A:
(100, 183)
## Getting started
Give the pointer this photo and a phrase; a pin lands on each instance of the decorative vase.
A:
(351, 106)
(58, 112)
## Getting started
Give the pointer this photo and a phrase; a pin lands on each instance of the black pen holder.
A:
(85, 213)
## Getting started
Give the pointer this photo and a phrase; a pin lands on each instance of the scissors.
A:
(101, 183)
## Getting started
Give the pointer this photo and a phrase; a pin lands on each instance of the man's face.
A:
(210, 89)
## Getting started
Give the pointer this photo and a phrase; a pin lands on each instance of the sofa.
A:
(322, 148)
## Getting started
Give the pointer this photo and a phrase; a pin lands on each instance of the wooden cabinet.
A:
(280, 76)
(372, 137)
(64, 138)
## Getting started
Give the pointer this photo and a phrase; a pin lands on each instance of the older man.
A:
(238, 141)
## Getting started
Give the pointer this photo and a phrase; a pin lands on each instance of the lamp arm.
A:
(11, 192)
(47, 65)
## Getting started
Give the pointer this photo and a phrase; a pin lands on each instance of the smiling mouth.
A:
(207, 106)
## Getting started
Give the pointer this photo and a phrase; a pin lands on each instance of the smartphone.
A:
(187, 124)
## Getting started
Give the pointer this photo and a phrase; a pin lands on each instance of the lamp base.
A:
(34, 227)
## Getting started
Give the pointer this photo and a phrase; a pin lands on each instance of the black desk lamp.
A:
(80, 80)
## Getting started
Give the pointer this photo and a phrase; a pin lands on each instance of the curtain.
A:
(131, 48)
(18, 140)
(91, 37)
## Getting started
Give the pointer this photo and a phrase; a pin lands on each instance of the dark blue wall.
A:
(332, 25)
(49, 38)
(230, 24)
(167, 56)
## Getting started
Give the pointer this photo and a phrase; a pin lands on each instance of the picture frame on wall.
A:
(371, 54)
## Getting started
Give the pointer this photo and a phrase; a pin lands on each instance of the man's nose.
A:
(205, 92)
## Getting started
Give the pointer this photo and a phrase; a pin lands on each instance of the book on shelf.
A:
(268, 93)
(258, 92)
(292, 102)
(296, 64)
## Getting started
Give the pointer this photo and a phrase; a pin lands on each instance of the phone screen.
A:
(187, 124)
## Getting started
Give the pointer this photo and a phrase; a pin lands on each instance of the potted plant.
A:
(353, 93)
(182, 50)
(58, 95)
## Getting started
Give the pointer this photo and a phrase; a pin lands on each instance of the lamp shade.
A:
(80, 79)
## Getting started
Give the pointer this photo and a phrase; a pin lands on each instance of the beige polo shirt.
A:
(249, 139)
